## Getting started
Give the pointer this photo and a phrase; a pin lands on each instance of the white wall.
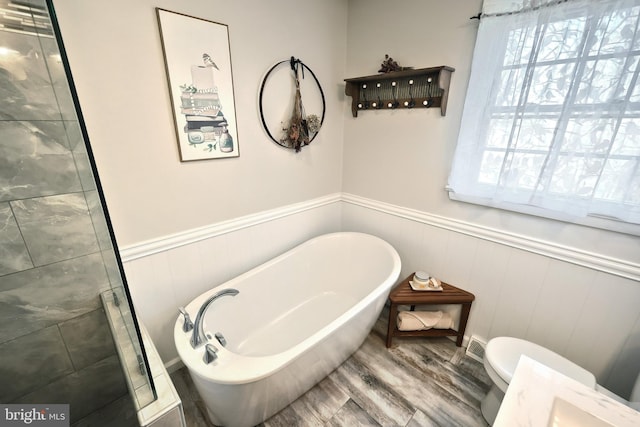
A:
(583, 307)
(117, 63)
(396, 157)
(403, 158)
(524, 290)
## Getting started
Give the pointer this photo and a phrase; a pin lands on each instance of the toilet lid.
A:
(503, 353)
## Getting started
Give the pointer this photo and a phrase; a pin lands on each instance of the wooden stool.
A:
(403, 294)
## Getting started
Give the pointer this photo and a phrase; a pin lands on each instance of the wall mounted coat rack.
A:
(421, 88)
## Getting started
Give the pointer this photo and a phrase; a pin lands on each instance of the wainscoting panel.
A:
(155, 298)
(521, 288)
(604, 331)
(166, 274)
(562, 298)
(583, 306)
(489, 270)
(518, 294)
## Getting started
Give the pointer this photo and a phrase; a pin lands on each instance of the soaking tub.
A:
(293, 320)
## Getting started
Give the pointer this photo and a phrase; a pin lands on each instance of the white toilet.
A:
(501, 357)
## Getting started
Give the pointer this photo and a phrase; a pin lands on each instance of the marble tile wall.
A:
(55, 253)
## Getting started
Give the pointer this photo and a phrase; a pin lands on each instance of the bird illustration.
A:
(208, 61)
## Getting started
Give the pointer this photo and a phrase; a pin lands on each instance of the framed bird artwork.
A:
(197, 59)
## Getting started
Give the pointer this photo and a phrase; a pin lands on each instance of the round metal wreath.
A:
(299, 130)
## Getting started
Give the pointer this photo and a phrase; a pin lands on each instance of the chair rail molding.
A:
(165, 243)
(596, 261)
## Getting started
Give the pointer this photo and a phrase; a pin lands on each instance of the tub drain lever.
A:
(210, 353)
(221, 339)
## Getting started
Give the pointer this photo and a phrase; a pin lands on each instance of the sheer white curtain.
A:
(551, 120)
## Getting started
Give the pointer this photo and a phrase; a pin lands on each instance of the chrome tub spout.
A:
(198, 336)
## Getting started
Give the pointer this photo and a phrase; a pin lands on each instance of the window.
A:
(551, 123)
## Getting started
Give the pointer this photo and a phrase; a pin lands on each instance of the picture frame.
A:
(197, 57)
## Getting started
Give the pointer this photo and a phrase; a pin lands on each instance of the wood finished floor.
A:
(418, 382)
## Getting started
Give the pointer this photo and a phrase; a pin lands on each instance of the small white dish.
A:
(417, 287)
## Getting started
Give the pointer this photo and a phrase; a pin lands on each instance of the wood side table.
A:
(404, 295)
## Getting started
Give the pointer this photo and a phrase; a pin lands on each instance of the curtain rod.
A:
(481, 15)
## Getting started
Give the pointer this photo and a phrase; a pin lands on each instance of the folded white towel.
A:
(422, 320)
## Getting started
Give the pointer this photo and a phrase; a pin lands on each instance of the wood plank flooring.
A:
(418, 382)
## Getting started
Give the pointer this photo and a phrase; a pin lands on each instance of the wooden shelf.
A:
(421, 88)
(403, 294)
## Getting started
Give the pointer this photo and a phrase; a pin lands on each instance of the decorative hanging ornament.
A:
(301, 129)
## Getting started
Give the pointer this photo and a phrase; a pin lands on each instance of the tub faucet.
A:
(198, 336)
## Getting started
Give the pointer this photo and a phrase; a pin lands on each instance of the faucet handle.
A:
(188, 324)
(210, 353)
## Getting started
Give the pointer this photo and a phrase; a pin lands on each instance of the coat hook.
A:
(394, 88)
(411, 103)
(364, 104)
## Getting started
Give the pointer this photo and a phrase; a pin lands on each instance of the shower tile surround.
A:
(55, 252)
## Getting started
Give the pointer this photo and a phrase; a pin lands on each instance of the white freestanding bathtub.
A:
(294, 320)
